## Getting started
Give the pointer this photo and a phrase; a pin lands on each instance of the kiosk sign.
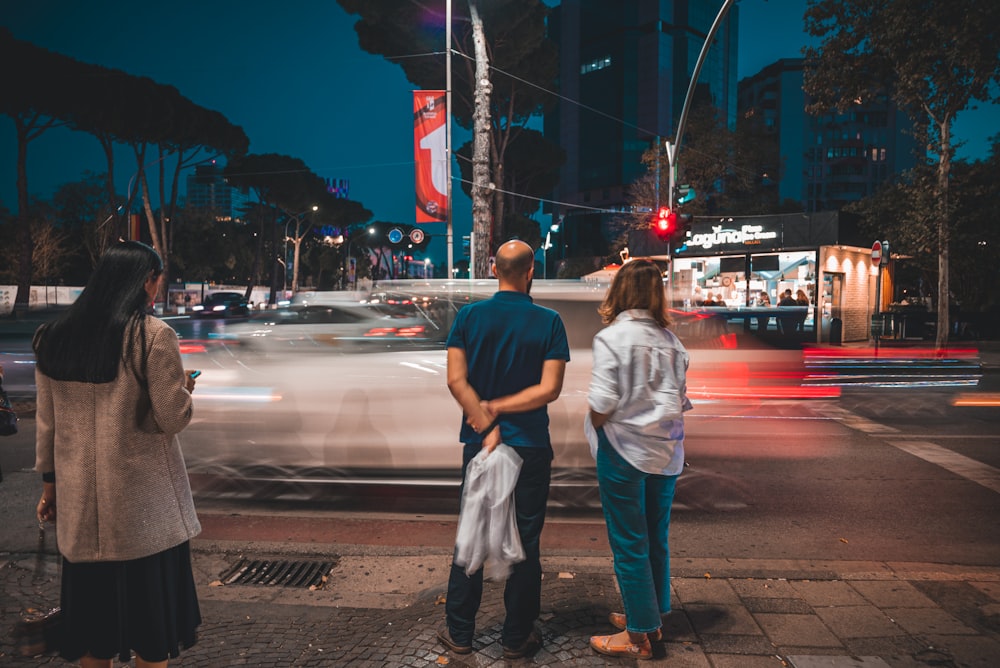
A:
(876, 253)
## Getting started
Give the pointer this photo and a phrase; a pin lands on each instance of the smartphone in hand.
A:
(195, 373)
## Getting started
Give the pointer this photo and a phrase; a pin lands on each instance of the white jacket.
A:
(487, 525)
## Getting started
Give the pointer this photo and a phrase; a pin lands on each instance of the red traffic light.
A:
(666, 223)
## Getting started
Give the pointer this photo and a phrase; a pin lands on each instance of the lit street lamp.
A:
(347, 258)
(545, 250)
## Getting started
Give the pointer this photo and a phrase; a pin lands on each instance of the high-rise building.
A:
(624, 72)
(209, 191)
(833, 159)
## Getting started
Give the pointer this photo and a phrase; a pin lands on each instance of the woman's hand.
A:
(46, 509)
(189, 379)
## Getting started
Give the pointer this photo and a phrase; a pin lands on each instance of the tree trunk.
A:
(272, 297)
(297, 246)
(24, 242)
(481, 193)
(943, 236)
(110, 227)
(499, 202)
(255, 270)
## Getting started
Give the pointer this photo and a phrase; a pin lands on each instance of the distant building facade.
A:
(628, 64)
(831, 160)
(207, 190)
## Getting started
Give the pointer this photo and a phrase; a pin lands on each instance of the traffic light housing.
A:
(669, 225)
(683, 226)
(665, 224)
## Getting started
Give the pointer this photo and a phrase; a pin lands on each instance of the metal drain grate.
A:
(280, 573)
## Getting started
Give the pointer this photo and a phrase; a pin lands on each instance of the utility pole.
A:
(673, 148)
(450, 232)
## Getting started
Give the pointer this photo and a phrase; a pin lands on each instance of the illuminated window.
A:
(594, 65)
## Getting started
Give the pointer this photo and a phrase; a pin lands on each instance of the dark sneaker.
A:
(444, 635)
(527, 648)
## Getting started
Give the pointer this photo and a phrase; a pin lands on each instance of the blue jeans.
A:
(637, 513)
(523, 593)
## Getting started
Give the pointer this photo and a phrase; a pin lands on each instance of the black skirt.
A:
(112, 608)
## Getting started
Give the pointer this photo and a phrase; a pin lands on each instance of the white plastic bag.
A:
(487, 525)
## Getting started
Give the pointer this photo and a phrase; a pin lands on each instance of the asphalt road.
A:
(876, 475)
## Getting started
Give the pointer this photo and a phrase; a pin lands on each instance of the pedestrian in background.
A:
(1, 387)
(112, 397)
(763, 301)
(506, 362)
(786, 323)
(802, 301)
(635, 426)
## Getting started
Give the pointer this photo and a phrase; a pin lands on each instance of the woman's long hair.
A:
(637, 285)
(89, 342)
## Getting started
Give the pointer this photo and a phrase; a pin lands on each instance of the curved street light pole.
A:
(347, 258)
(673, 148)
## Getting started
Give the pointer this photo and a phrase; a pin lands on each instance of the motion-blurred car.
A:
(342, 326)
(308, 420)
(222, 305)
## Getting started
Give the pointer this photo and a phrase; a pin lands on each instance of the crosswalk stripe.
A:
(966, 467)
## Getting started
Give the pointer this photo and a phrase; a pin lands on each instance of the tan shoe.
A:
(620, 644)
(618, 621)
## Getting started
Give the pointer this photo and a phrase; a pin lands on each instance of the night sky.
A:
(293, 77)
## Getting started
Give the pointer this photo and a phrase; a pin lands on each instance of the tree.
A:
(905, 213)
(180, 130)
(729, 170)
(523, 67)
(47, 89)
(531, 169)
(210, 250)
(82, 210)
(36, 102)
(287, 190)
(931, 58)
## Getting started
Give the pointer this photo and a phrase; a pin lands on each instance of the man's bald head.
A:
(514, 258)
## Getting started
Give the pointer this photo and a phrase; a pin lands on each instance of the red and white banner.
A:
(135, 227)
(430, 155)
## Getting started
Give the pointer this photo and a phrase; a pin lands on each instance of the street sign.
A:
(876, 253)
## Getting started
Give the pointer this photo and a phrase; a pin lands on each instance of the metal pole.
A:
(690, 91)
(450, 233)
(673, 148)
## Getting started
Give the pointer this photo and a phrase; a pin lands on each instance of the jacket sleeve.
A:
(44, 425)
(171, 402)
(604, 392)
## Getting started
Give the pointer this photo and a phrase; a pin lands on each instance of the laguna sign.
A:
(745, 235)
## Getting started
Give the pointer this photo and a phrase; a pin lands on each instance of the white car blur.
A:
(357, 416)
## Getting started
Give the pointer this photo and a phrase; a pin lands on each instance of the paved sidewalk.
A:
(381, 606)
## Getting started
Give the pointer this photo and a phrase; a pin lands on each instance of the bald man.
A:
(506, 361)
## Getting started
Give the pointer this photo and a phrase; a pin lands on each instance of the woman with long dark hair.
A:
(635, 426)
(112, 397)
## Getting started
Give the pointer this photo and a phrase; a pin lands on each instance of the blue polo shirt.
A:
(506, 340)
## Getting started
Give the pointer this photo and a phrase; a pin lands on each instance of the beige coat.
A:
(122, 490)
